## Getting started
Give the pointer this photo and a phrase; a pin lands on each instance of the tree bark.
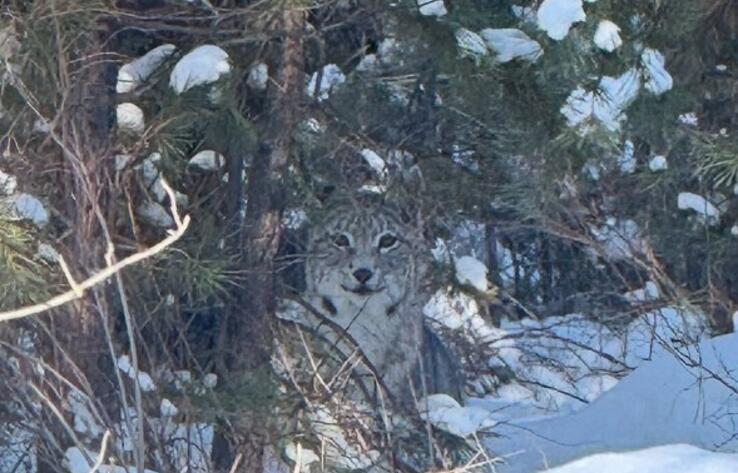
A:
(266, 199)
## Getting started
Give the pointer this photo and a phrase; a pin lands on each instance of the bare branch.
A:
(78, 289)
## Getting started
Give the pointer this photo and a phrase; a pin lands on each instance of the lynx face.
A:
(362, 260)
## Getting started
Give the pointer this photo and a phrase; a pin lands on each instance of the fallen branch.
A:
(78, 289)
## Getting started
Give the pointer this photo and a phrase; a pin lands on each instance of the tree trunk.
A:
(266, 195)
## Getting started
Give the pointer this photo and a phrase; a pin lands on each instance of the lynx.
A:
(363, 272)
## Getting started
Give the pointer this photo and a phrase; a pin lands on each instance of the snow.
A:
(305, 455)
(144, 379)
(626, 161)
(658, 79)
(620, 239)
(607, 36)
(18, 453)
(443, 412)
(155, 213)
(690, 201)
(29, 207)
(605, 104)
(685, 394)
(121, 161)
(432, 7)
(526, 14)
(511, 43)
(374, 161)
(85, 421)
(556, 17)
(8, 184)
(649, 292)
(203, 65)
(674, 458)
(689, 119)
(464, 157)
(473, 272)
(658, 163)
(734, 230)
(210, 380)
(167, 409)
(367, 63)
(207, 160)
(136, 72)
(76, 462)
(258, 77)
(470, 44)
(331, 79)
(47, 253)
(130, 118)
(338, 448)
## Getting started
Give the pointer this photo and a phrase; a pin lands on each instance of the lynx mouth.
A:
(362, 290)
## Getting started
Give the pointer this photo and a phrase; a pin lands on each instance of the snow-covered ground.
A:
(567, 406)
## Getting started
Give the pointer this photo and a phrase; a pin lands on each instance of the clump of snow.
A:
(511, 43)
(674, 458)
(734, 230)
(121, 161)
(607, 104)
(626, 161)
(506, 264)
(526, 14)
(47, 253)
(29, 207)
(155, 213)
(207, 160)
(136, 72)
(443, 412)
(658, 79)
(203, 65)
(689, 119)
(464, 157)
(130, 118)
(258, 77)
(332, 77)
(649, 292)
(41, 125)
(367, 63)
(374, 161)
(556, 17)
(299, 453)
(167, 409)
(210, 380)
(432, 7)
(620, 239)
(144, 380)
(295, 218)
(85, 421)
(607, 36)
(593, 169)
(470, 44)
(8, 184)
(697, 203)
(658, 163)
(473, 272)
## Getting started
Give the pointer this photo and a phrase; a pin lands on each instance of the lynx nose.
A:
(363, 275)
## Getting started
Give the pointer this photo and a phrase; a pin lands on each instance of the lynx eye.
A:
(342, 241)
(387, 241)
